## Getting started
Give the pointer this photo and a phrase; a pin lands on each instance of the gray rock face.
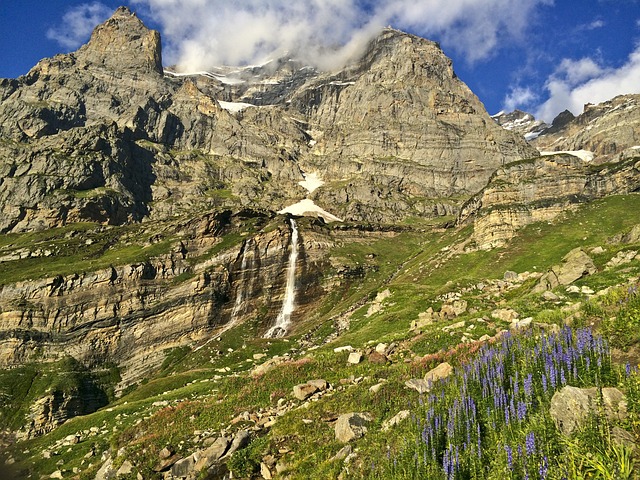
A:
(571, 406)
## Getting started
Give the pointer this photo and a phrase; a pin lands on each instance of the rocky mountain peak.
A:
(123, 42)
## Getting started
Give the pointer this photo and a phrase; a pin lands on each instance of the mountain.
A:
(521, 122)
(182, 249)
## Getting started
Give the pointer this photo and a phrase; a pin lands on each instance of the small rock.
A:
(351, 426)
(454, 309)
(346, 348)
(455, 326)
(505, 314)
(265, 472)
(354, 358)
(549, 296)
(392, 422)
(165, 453)
(510, 276)
(56, 474)
(418, 384)
(520, 324)
(586, 290)
(484, 338)
(573, 289)
(597, 251)
(381, 348)
(343, 453)
(376, 388)
(259, 356)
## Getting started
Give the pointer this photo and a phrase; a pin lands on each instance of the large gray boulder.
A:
(351, 426)
(575, 265)
(571, 406)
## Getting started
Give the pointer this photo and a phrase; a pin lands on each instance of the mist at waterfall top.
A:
(542, 56)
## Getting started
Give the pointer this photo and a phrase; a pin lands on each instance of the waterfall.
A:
(288, 305)
(243, 287)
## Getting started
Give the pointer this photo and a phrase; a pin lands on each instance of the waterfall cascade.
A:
(243, 289)
(288, 305)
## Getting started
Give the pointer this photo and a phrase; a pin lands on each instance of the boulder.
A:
(304, 391)
(441, 371)
(633, 236)
(575, 265)
(354, 358)
(240, 440)
(418, 384)
(520, 324)
(125, 469)
(571, 406)
(454, 309)
(505, 314)
(351, 426)
(510, 276)
(182, 468)
(211, 455)
(377, 358)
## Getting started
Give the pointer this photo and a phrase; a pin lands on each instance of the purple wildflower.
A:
(530, 443)
(509, 452)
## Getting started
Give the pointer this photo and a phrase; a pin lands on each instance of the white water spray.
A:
(288, 305)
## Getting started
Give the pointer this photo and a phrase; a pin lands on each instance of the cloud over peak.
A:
(200, 34)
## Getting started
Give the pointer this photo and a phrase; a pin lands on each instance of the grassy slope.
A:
(203, 397)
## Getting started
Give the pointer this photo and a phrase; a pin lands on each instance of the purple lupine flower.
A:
(528, 385)
(627, 368)
(544, 468)
(522, 410)
(530, 443)
(544, 383)
(479, 442)
(509, 451)
(563, 380)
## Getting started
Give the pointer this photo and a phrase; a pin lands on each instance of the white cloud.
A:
(576, 83)
(519, 97)
(199, 34)
(78, 23)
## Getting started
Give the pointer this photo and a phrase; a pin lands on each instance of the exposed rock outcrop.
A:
(540, 189)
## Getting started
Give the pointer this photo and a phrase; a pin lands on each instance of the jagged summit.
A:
(123, 42)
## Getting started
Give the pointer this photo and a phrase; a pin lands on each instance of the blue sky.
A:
(538, 55)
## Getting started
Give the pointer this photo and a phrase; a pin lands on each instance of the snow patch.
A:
(234, 107)
(308, 208)
(311, 182)
(531, 136)
(584, 155)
